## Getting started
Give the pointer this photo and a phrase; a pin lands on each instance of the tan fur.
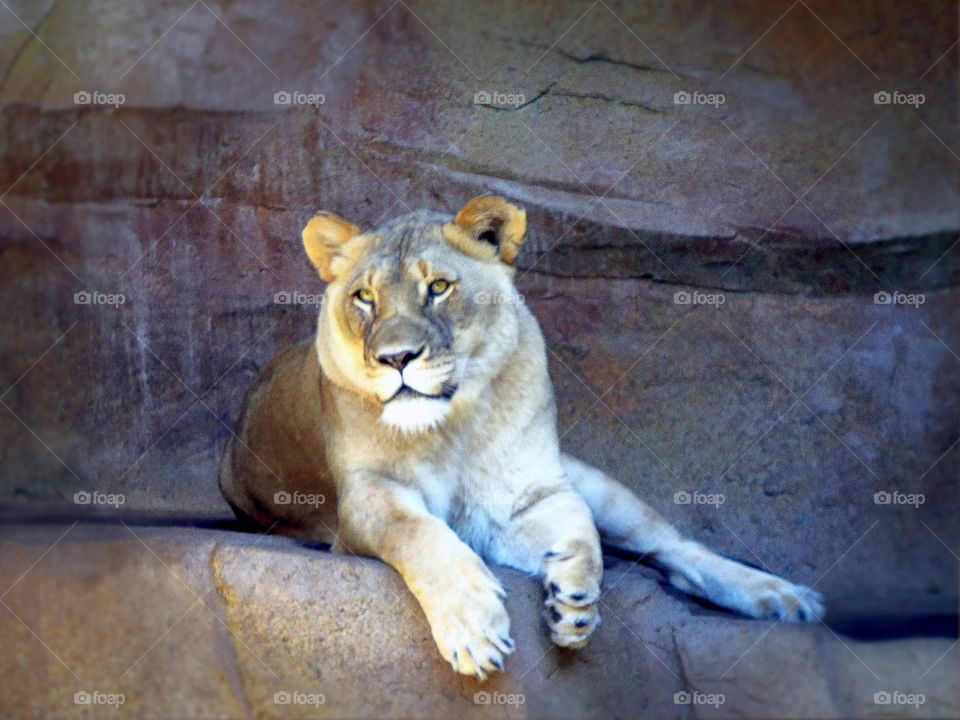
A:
(325, 239)
(426, 422)
(489, 214)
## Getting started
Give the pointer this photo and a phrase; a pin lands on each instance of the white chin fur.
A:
(415, 414)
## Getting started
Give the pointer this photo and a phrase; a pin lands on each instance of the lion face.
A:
(420, 314)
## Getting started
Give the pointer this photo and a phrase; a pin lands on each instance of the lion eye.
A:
(364, 295)
(439, 287)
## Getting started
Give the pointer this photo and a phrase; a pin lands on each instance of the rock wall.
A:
(774, 378)
(218, 624)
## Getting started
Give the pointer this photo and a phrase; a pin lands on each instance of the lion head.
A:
(420, 314)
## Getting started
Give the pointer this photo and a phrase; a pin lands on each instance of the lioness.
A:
(424, 414)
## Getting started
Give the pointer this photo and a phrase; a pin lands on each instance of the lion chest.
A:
(475, 500)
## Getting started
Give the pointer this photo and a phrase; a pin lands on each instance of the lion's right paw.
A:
(471, 627)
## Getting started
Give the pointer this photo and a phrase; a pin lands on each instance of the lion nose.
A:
(401, 359)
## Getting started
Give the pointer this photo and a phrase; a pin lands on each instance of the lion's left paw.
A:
(748, 590)
(570, 627)
(571, 613)
(769, 597)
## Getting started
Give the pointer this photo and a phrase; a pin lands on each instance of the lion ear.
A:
(325, 238)
(490, 227)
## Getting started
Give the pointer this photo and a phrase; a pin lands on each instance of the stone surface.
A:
(598, 86)
(186, 622)
(113, 611)
(188, 200)
(795, 412)
(715, 664)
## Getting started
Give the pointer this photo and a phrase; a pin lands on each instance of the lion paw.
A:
(753, 592)
(571, 612)
(773, 598)
(471, 626)
(570, 627)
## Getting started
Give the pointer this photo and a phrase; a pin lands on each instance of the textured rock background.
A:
(216, 624)
(796, 199)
